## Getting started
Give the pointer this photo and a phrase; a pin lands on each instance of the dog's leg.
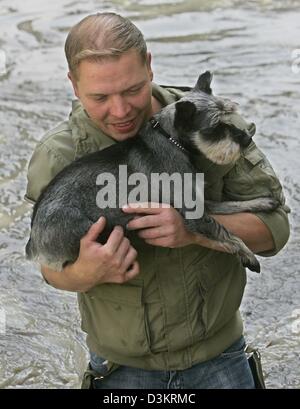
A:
(223, 239)
(55, 236)
(263, 204)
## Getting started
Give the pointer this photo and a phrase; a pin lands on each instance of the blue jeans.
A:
(230, 370)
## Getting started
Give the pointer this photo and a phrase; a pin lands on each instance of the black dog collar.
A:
(156, 125)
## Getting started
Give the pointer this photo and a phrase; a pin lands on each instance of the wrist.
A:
(74, 274)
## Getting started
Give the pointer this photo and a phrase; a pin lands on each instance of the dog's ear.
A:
(203, 83)
(185, 111)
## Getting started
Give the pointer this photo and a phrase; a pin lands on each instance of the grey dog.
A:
(198, 122)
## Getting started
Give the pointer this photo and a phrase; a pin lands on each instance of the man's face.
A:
(116, 93)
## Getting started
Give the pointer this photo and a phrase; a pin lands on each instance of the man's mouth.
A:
(124, 127)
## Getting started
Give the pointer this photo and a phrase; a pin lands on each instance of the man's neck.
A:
(156, 106)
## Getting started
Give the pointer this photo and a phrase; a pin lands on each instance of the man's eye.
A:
(133, 91)
(101, 98)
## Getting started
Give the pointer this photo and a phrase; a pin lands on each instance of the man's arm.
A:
(248, 227)
(164, 226)
(113, 262)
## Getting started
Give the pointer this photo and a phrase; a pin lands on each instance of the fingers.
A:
(95, 229)
(161, 242)
(155, 233)
(143, 222)
(126, 269)
(123, 248)
(132, 272)
(113, 262)
(123, 255)
(148, 208)
(126, 255)
(129, 259)
(115, 239)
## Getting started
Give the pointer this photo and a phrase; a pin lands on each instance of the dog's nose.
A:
(251, 129)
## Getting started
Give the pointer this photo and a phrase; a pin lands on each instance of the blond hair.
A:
(102, 35)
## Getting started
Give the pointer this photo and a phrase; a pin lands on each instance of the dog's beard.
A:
(222, 152)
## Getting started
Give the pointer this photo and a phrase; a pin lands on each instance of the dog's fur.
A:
(67, 207)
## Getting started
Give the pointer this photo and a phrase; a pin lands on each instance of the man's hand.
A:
(159, 225)
(164, 226)
(113, 262)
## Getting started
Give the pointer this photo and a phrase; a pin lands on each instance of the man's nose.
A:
(119, 107)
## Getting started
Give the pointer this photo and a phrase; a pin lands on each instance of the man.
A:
(161, 312)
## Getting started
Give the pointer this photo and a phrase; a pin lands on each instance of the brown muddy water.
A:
(253, 48)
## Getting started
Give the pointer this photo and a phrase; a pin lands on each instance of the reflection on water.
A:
(248, 46)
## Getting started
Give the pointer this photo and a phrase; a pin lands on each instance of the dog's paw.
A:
(251, 262)
(267, 204)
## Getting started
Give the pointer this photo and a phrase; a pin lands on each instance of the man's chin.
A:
(124, 136)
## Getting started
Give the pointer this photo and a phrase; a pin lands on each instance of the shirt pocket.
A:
(219, 295)
(221, 281)
(114, 315)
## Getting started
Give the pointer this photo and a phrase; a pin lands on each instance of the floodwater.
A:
(253, 48)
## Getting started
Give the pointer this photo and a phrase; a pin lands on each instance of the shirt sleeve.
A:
(44, 164)
(253, 177)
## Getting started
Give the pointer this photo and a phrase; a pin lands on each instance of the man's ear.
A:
(148, 63)
(184, 114)
(203, 83)
(74, 84)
